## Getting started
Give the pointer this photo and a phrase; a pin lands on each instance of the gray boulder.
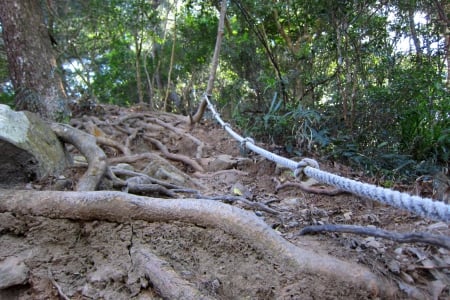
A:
(29, 150)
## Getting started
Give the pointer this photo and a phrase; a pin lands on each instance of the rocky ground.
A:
(72, 259)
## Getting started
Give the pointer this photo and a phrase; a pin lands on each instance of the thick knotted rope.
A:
(422, 206)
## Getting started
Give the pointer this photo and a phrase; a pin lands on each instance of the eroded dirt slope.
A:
(91, 259)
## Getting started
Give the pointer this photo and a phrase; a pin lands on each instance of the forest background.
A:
(360, 82)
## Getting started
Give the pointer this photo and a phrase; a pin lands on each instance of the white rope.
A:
(425, 207)
(422, 206)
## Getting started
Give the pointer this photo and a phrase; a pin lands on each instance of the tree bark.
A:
(412, 28)
(443, 8)
(214, 64)
(32, 63)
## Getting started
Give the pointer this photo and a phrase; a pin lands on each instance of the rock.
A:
(222, 162)
(30, 149)
(162, 169)
(13, 271)
(238, 189)
(394, 266)
(62, 184)
(106, 273)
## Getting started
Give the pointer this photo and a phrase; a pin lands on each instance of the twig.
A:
(416, 237)
(258, 205)
(209, 175)
(58, 287)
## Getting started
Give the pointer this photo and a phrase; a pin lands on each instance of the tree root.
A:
(121, 207)
(417, 237)
(86, 144)
(200, 144)
(176, 157)
(163, 278)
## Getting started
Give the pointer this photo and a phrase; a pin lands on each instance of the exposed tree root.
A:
(200, 144)
(416, 237)
(177, 157)
(121, 207)
(168, 283)
(133, 126)
(86, 144)
(132, 158)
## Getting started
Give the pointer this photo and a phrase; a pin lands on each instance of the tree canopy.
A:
(361, 81)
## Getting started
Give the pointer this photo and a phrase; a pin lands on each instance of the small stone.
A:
(13, 271)
(394, 266)
(222, 162)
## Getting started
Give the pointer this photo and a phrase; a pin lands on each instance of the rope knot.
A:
(247, 140)
(306, 162)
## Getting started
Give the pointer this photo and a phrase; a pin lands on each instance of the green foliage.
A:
(317, 77)
(297, 128)
(6, 94)
(423, 105)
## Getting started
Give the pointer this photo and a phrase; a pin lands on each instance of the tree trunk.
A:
(412, 28)
(172, 59)
(444, 23)
(32, 63)
(138, 45)
(214, 64)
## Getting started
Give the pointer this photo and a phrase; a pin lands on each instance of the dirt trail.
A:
(91, 259)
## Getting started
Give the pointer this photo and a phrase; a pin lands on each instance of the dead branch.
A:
(169, 284)
(57, 286)
(122, 207)
(415, 237)
(86, 144)
(247, 202)
(217, 173)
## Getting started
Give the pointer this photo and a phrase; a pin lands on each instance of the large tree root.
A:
(164, 278)
(121, 207)
(415, 237)
(86, 144)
